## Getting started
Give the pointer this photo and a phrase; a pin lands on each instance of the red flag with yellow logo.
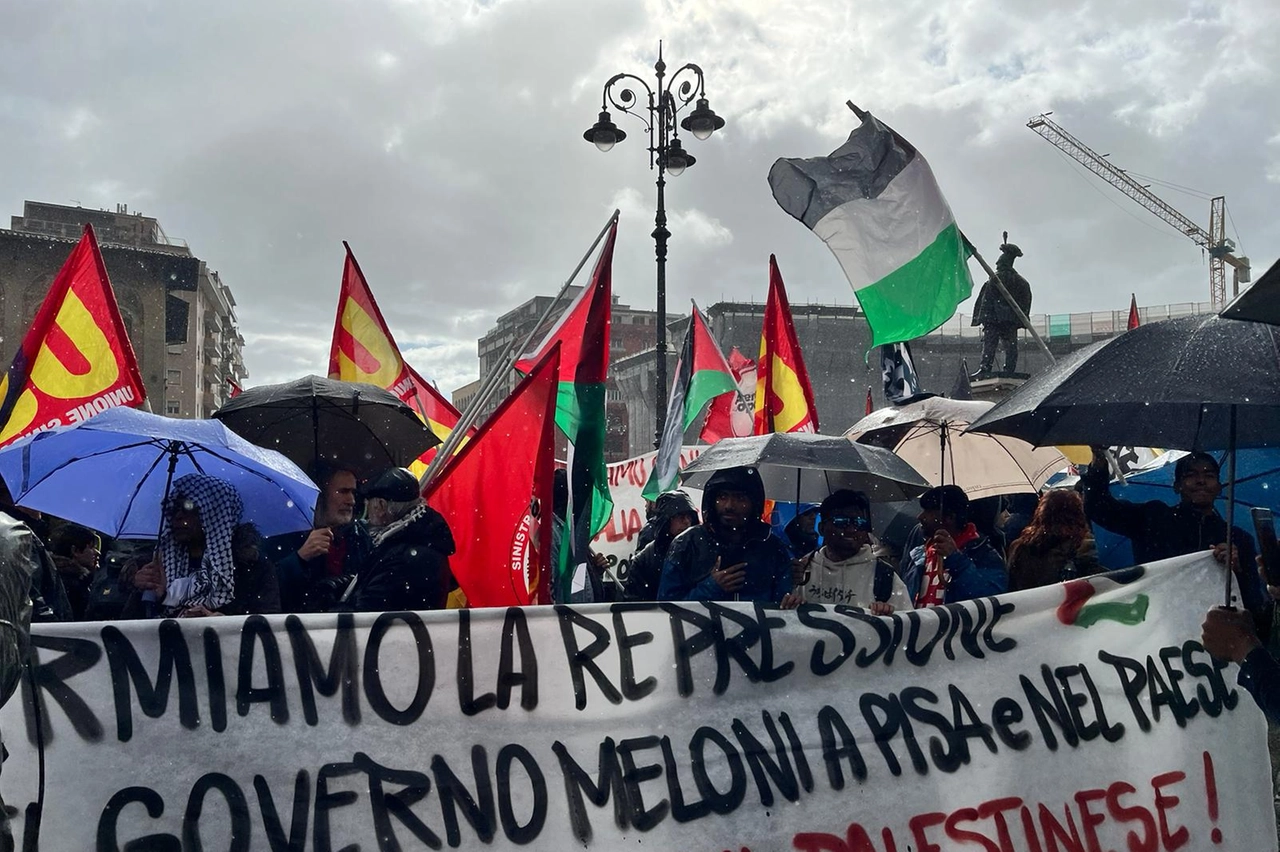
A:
(364, 351)
(784, 397)
(76, 359)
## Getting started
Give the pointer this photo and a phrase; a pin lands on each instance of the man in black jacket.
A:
(409, 566)
(315, 567)
(673, 513)
(1159, 531)
(733, 555)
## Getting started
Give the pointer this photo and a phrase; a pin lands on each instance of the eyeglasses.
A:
(845, 521)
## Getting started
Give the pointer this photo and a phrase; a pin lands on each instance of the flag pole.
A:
(505, 364)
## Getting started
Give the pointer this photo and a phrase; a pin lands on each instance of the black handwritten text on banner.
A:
(1082, 717)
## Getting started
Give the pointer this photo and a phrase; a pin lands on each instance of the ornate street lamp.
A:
(666, 154)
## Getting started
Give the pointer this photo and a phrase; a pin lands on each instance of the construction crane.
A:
(1214, 241)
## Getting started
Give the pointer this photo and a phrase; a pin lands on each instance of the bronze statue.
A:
(999, 321)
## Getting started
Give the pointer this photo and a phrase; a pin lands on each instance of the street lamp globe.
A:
(676, 158)
(703, 121)
(604, 134)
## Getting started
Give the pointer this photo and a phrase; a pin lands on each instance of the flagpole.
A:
(505, 364)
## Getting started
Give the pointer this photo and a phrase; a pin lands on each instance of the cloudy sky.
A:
(443, 139)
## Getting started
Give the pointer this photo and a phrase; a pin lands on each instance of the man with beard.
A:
(733, 555)
(1160, 531)
(315, 567)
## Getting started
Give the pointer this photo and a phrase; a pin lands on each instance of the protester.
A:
(1055, 546)
(409, 566)
(49, 600)
(845, 569)
(312, 566)
(1229, 634)
(801, 532)
(196, 569)
(593, 572)
(650, 528)
(952, 562)
(1159, 531)
(76, 550)
(673, 513)
(733, 555)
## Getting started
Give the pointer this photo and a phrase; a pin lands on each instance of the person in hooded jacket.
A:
(733, 555)
(673, 514)
(409, 566)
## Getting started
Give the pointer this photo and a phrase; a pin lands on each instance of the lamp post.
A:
(666, 154)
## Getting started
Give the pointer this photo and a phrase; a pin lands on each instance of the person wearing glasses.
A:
(844, 568)
(955, 562)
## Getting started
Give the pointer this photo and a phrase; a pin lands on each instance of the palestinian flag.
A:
(583, 332)
(702, 373)
(875, 203)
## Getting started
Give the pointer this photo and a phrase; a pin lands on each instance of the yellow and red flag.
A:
(76, 359)
(784, 397)
(364, 351)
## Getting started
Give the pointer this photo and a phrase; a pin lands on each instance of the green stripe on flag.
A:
(920, 295)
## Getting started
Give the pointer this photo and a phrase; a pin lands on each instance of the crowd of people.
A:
(211, 560)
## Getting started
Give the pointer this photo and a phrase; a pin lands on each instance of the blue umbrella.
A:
(112, 473)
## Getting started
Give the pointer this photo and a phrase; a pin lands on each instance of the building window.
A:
(172, 407)
(172, 378)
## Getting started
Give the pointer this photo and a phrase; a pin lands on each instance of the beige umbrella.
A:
(929, 435)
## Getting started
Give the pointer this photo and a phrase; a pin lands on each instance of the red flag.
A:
(235, 389)
(496, 494)
(76, 359)
(1133, 312)
(870, 405)
(731, 415)
(784, 396)
(363, 350)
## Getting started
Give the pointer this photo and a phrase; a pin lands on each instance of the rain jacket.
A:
(975, 570)
(1160, 531)
(49, 600)
(686, 574)
(409, 566)
(645, 572)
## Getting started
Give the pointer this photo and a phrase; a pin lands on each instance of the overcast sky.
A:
(443, 139)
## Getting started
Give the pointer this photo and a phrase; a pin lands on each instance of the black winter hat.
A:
(395, 484)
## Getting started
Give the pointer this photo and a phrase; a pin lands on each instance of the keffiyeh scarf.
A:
(212, 583)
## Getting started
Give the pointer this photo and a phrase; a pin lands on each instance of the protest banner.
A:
(1082, 717)
(617, 541)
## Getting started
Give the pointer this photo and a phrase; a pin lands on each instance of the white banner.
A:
(1084, 717)
(617, 541)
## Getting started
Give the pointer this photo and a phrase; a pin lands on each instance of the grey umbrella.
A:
(1261, 302)
(806, 468)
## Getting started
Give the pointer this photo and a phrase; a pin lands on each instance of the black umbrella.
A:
(806, 468)
(1177, 384)
(1261, 302)
(1192, 383)
(313, 419)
